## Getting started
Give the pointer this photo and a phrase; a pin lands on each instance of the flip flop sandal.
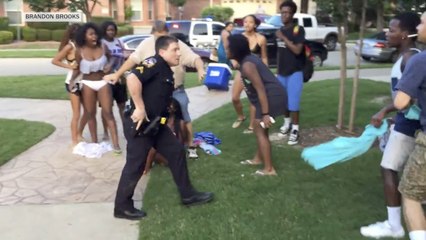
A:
(262, 173)
(248, 131)
(238, 123)
(249, 162)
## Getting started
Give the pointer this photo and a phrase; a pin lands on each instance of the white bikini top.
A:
(89, 66)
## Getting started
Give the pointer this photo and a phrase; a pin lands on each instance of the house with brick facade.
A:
(146, 11)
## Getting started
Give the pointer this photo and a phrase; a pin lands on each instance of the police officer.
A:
(188, 59)
(151, 87)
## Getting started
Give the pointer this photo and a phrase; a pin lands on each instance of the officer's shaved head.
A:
(163, 42)
(159, 27)
(168, 48)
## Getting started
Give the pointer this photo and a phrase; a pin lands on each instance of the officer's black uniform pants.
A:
(166, 143)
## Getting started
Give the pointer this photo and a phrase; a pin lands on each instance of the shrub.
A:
(221, 14)
(98, 20)
(4, 23)
(44, 34)
(127, 26)
(6, 37)
(29, 34)
(48, 25)
(121, 31)
(14, 30)
(128, 12)
(58, 34)
(130, 28)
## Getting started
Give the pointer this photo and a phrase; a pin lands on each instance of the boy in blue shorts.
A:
(290, 40)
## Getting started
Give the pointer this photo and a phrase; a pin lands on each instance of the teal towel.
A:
(342, 149)
(413, 113)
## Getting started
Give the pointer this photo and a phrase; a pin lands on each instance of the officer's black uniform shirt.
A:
(157, 81)
(288, 62)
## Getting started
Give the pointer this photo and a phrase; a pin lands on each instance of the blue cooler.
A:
(217, 76)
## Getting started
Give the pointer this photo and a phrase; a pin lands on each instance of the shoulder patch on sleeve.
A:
(149, 62)
(140, 69)
(296, 30)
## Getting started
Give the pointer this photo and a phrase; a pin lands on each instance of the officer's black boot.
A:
(198, 198)
(134, 214)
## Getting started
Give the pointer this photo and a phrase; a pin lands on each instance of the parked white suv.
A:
(314, 31)
(198, 33)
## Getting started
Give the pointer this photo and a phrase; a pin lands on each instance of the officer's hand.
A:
(111, 78)
(138, 116)
(201, 75)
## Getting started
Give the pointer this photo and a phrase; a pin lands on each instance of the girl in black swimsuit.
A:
(265, 92)
(257, 44)
(67, 52)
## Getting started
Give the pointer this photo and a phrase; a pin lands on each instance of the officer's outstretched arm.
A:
(113, 77)
(199, 65)
(135, 90)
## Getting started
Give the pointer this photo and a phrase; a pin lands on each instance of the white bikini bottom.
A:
(95, 85)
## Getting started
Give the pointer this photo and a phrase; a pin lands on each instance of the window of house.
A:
(150, 9)
(136, 10)
(200, 29)
(113, 9)
(13, 11)
(307, 22)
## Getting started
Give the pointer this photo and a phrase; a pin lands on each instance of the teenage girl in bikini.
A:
(93, 64)
(257, 43)
(66, 58)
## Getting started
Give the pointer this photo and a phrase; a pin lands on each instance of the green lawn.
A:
(300, 203)
(39, 87)
(50, 87)
(355, 35)
(364, 66)
(31, 45)
(19, 135)
(41, 53)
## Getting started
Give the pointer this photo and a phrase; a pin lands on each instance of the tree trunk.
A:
(342, 26)
(304, 5)
(358, 62)
(380, 12)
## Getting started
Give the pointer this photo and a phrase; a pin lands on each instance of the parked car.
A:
(319, 52)
(375, 48)
(324, 34)
(130, 43)
(201, 33)
(261, 16)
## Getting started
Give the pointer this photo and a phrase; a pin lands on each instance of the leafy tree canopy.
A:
(54, 5)
(221, 14)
